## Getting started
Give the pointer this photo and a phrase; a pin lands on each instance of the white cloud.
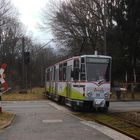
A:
(30, 11)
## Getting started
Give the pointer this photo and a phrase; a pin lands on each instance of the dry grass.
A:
(126, 96)
(113, 121)
(34, 94)
(130, 116)
(5, 118)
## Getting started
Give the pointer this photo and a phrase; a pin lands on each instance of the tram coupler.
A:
(99, 103)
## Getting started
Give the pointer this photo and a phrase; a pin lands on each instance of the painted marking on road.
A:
(107, 131)
(52, 121)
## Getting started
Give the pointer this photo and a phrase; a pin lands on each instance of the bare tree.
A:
(79, 25)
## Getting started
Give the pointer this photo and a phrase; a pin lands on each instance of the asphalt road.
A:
(45, 120)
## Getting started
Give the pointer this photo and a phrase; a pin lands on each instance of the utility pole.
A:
(105, 15)
(23, 88)
(23, 70)
(26, 62)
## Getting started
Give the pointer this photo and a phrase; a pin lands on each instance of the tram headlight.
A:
(106, 95)
(89, 93)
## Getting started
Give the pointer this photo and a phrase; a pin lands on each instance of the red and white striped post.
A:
(0, 105)
(3, 83)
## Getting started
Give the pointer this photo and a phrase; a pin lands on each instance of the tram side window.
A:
(76, 70)
(69, 73)
(48, 75)
(64, 71)
(82, 73)
(51, 75)
(82, 67)
(60, 72)
(82, 60)
(54, 73)
(57, 75)
(83, 77)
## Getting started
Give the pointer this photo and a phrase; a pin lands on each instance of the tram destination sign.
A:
(97, 60)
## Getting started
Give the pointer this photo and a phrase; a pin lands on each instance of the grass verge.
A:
(114, 121)
(6, 119)
(31, 95)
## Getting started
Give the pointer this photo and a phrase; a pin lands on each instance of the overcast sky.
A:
(30, 16)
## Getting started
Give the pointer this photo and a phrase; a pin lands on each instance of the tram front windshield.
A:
(98, 69)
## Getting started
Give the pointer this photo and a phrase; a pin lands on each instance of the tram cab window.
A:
(98, 69)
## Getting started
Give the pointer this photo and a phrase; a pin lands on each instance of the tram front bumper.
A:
(99, 103)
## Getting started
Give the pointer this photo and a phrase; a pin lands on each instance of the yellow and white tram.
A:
(81, 81)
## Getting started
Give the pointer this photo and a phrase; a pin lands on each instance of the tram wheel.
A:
(103, 109)
(74, 107)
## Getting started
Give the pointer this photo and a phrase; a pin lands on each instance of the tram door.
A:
(48, 84)
(68, 92)
(50, 81)
(56, 80)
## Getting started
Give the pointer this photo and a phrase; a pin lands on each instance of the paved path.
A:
(45, 120)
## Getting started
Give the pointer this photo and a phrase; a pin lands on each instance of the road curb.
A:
(9, 123)
(117, 129)
(95, 120)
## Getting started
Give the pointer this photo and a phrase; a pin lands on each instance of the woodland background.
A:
(79, 27)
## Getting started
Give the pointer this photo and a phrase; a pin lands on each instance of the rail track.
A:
(116, 121)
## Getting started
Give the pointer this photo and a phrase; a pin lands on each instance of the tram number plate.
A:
(97, 95)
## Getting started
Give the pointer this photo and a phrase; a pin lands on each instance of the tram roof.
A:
(97, 56)
(80, 56)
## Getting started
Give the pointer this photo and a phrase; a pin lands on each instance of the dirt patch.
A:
(5, 119)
